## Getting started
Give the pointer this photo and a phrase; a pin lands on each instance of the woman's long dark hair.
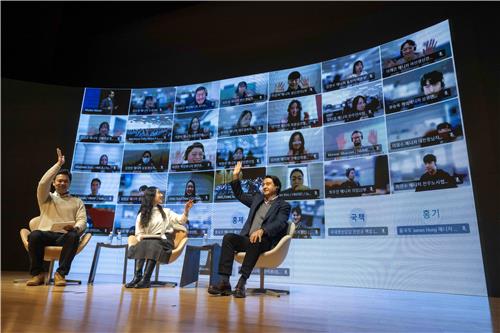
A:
(147, 205)
(300, 151)
(291, 119)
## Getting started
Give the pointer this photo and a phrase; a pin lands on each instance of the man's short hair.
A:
(443, 126)
(201, 88)
(348, 171)
(295, 170)
(295, 75)
(96, 180)
(429, 158)
(433, 77)
(64, 172)
(297, 209)
(276, 182)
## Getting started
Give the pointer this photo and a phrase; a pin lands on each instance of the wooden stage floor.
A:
(108, 307)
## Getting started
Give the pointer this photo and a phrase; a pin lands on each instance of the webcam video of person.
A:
(95, 187)
(132, 186)
(354, 69)
(125, 217)
(416, 50)
(243, 120)
(152, 101)
(250, 150)
(296, 146)
(432, 125)
(101, 129)
(91, 157)
(144, 158)
(196, 186)
(200, 219)
(106, 101)
(191, 126)
(149, 129)
(357, 177)
(309, 219)
(356, 103)
(230, 218)
(244, 90)
(295, 82)
(197, 97)
(294, 114)
(299, 182)
(363, 138)
(428, 169)
(426, 85)
(100, 218)
(251, 183)
(193, 155)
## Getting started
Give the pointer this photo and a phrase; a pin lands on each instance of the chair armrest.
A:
(178, 250)
(132, 240)
(83, 242)
(24, 237)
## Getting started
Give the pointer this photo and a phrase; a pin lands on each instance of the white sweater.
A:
(157, 225)
(54, 208)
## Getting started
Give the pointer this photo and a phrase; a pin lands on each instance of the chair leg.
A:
(49, 278)
(157, 282)
(266, 291)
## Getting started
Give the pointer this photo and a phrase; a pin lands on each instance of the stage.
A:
(106, 306)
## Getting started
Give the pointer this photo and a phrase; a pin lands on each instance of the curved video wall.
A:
(369, 147)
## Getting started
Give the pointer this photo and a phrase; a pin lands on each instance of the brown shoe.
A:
(36, 280)
(59, 280)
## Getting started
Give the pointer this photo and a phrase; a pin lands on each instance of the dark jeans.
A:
(232, 243)
(38, 240)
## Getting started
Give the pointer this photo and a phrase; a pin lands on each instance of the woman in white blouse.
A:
(154, 229)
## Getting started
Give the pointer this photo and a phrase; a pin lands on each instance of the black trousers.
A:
(38, 240)
(232, 243)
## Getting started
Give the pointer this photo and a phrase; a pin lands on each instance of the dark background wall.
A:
(50, 50)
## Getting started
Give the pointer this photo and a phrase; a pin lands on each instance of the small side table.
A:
(191, 266)
(97, 252)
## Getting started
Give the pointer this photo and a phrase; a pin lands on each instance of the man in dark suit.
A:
(265, 226)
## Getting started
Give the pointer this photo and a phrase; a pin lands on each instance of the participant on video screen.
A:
(445, 134)
(296, 82)
(301, 230)
(200, 100)
(150, 103)
(296, 145)
(434, 178)
(296, 181)
(357, 70)
(95, 186)
(190, 189)
(103, 135)
(432, 83)
(103, 165)
(108, 104)
(357, 140)
(360, 108)
(294, 119)
(146, 163)
(351, 181)
(408, 52)
(195, 153)
(244, 123)
(242, 91)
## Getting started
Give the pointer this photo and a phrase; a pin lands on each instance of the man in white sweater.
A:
(62, 221)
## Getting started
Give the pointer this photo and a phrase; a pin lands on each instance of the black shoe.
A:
(136, 280)
(223, 289)
(240, 290)
(137, 274)
(148, 271)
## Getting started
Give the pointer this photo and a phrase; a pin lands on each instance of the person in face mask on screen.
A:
(147, 162)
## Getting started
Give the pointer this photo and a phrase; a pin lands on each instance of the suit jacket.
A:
(275, 222)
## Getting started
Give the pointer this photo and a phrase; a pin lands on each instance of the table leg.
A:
(125, 261)
(214, 265)
(191, 266)
(93, 268)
